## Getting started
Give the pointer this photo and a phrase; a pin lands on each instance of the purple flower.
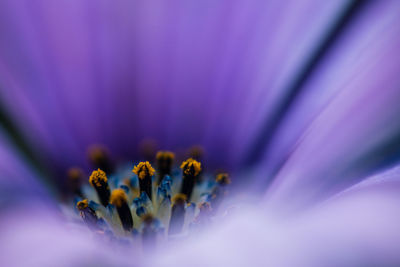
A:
(299, 101)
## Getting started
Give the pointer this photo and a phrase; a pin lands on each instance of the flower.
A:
(357, 228)
(299, 101)
(152, 209)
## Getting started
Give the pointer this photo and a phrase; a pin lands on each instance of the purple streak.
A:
(19, 181)
(347, 110)
(182, 73)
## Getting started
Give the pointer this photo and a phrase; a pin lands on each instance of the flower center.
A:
(148, 204)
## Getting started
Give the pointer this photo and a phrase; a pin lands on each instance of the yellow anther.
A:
(97, 152)
(165, 155)
(223, 178)
(190, 164)
(196, 151)
(83, 204)
(143, 169)
(147, 218)
(179, 198)
(97, 178)
(148, 148)
(74, 173)
(118, 197)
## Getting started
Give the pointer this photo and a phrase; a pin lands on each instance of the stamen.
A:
(83, 204)
(88, 214)
(144, 171)
(149, 232)
(75, 177)
(148, 148)
(120, 200)
(177, 214)
(205, 213)
(141, 211)
(191, 170)
(164, 211)
(223, 179)
(134, 209)
(98, 180)
(166, 184)
(190, 211)
(165, 159)
(196, 152)
(100, 159)
(146, 202)
(220, 191)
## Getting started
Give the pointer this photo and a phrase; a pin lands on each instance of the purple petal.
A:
(19, 181)
(37, 236)
(183, 73)
(342, 126)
